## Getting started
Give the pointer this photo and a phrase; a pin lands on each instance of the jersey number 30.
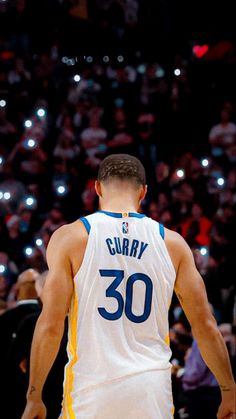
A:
(127, 305)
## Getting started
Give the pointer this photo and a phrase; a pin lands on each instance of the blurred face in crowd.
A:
(224, 116)
(95, 119)
(146, 125)
(67, 123)
(196, 211)
(153, 211)
(4, 259)
(186, 192)
(166, 218)
(66, 141)
(3, 286)
(162, 200)
(195, 168)
(88, 198)
(13, 225)
(56, 215)
(26, 215)
(2, 114)
(120, 118)
(162, 171)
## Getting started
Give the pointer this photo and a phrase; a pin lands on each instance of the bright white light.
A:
(1, 194)
(31, 143)
(1, 160)
(177, 72)
(106, 59)
(61, 189)
(89, 59)
(77, 78)
(205, 162)
(2, 103)
(203, 251)
(29, 201)
(39, 242)
(41, 112)
(220, 181)
(2, 269)
(28, 251)
(6, 196)
(120, 58)
(28, 123)
(180, 173)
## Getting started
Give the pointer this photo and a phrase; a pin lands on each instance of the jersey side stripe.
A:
(73, 317)
(86, 224)
(162, 231)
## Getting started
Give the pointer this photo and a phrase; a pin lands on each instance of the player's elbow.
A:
(204, 327)
(53, 327)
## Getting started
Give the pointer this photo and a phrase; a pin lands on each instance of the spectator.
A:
(26, 302)
(66, 148)
(196, 229)
(54, 221)
(14, 188)
(122, 141)
(93, 140)
(147, 140)
(200, 386)
(7, 129)
(222, 137)
(19, 356)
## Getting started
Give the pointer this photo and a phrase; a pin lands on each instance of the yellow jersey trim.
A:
(72, 349)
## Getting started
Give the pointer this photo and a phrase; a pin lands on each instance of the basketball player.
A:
(115, 272)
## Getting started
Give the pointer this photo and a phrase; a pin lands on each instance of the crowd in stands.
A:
(59, 117)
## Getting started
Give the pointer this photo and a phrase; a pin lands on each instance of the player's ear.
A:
(143, 192)
(98, 188)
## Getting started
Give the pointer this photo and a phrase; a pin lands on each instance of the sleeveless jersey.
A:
(118, 319)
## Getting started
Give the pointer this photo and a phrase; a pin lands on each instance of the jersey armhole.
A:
(162, 230)
(86, 224)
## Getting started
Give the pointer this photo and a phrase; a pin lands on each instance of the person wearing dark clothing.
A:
(27, 303)
(201, 388)
(18, 362)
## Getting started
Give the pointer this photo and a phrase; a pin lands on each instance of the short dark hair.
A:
(122, 167)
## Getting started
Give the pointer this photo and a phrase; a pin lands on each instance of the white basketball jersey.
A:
(118, 320)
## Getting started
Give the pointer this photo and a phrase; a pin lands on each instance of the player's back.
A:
(118, 322)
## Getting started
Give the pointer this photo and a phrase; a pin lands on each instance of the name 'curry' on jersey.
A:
(119, 313)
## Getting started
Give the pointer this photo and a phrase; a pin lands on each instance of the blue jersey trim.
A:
(136, 215)
(120, 215)
(86, 224)
(162, 231)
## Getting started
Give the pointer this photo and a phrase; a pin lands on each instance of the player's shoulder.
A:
(176, 246)
(69, 234)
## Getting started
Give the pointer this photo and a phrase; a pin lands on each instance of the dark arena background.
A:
(80, 80)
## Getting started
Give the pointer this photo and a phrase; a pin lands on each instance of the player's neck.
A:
(121, 204)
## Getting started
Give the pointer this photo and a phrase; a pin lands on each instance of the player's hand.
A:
(34, 410)
(227, 409)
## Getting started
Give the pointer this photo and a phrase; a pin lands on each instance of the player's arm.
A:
(49, 329)
(191, 293)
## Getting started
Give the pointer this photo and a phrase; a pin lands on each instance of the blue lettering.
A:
(134, 247)
(143, 247)
(117, 245)
(111, 249)
(125, 249)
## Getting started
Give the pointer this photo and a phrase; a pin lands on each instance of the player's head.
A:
(120, 173)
